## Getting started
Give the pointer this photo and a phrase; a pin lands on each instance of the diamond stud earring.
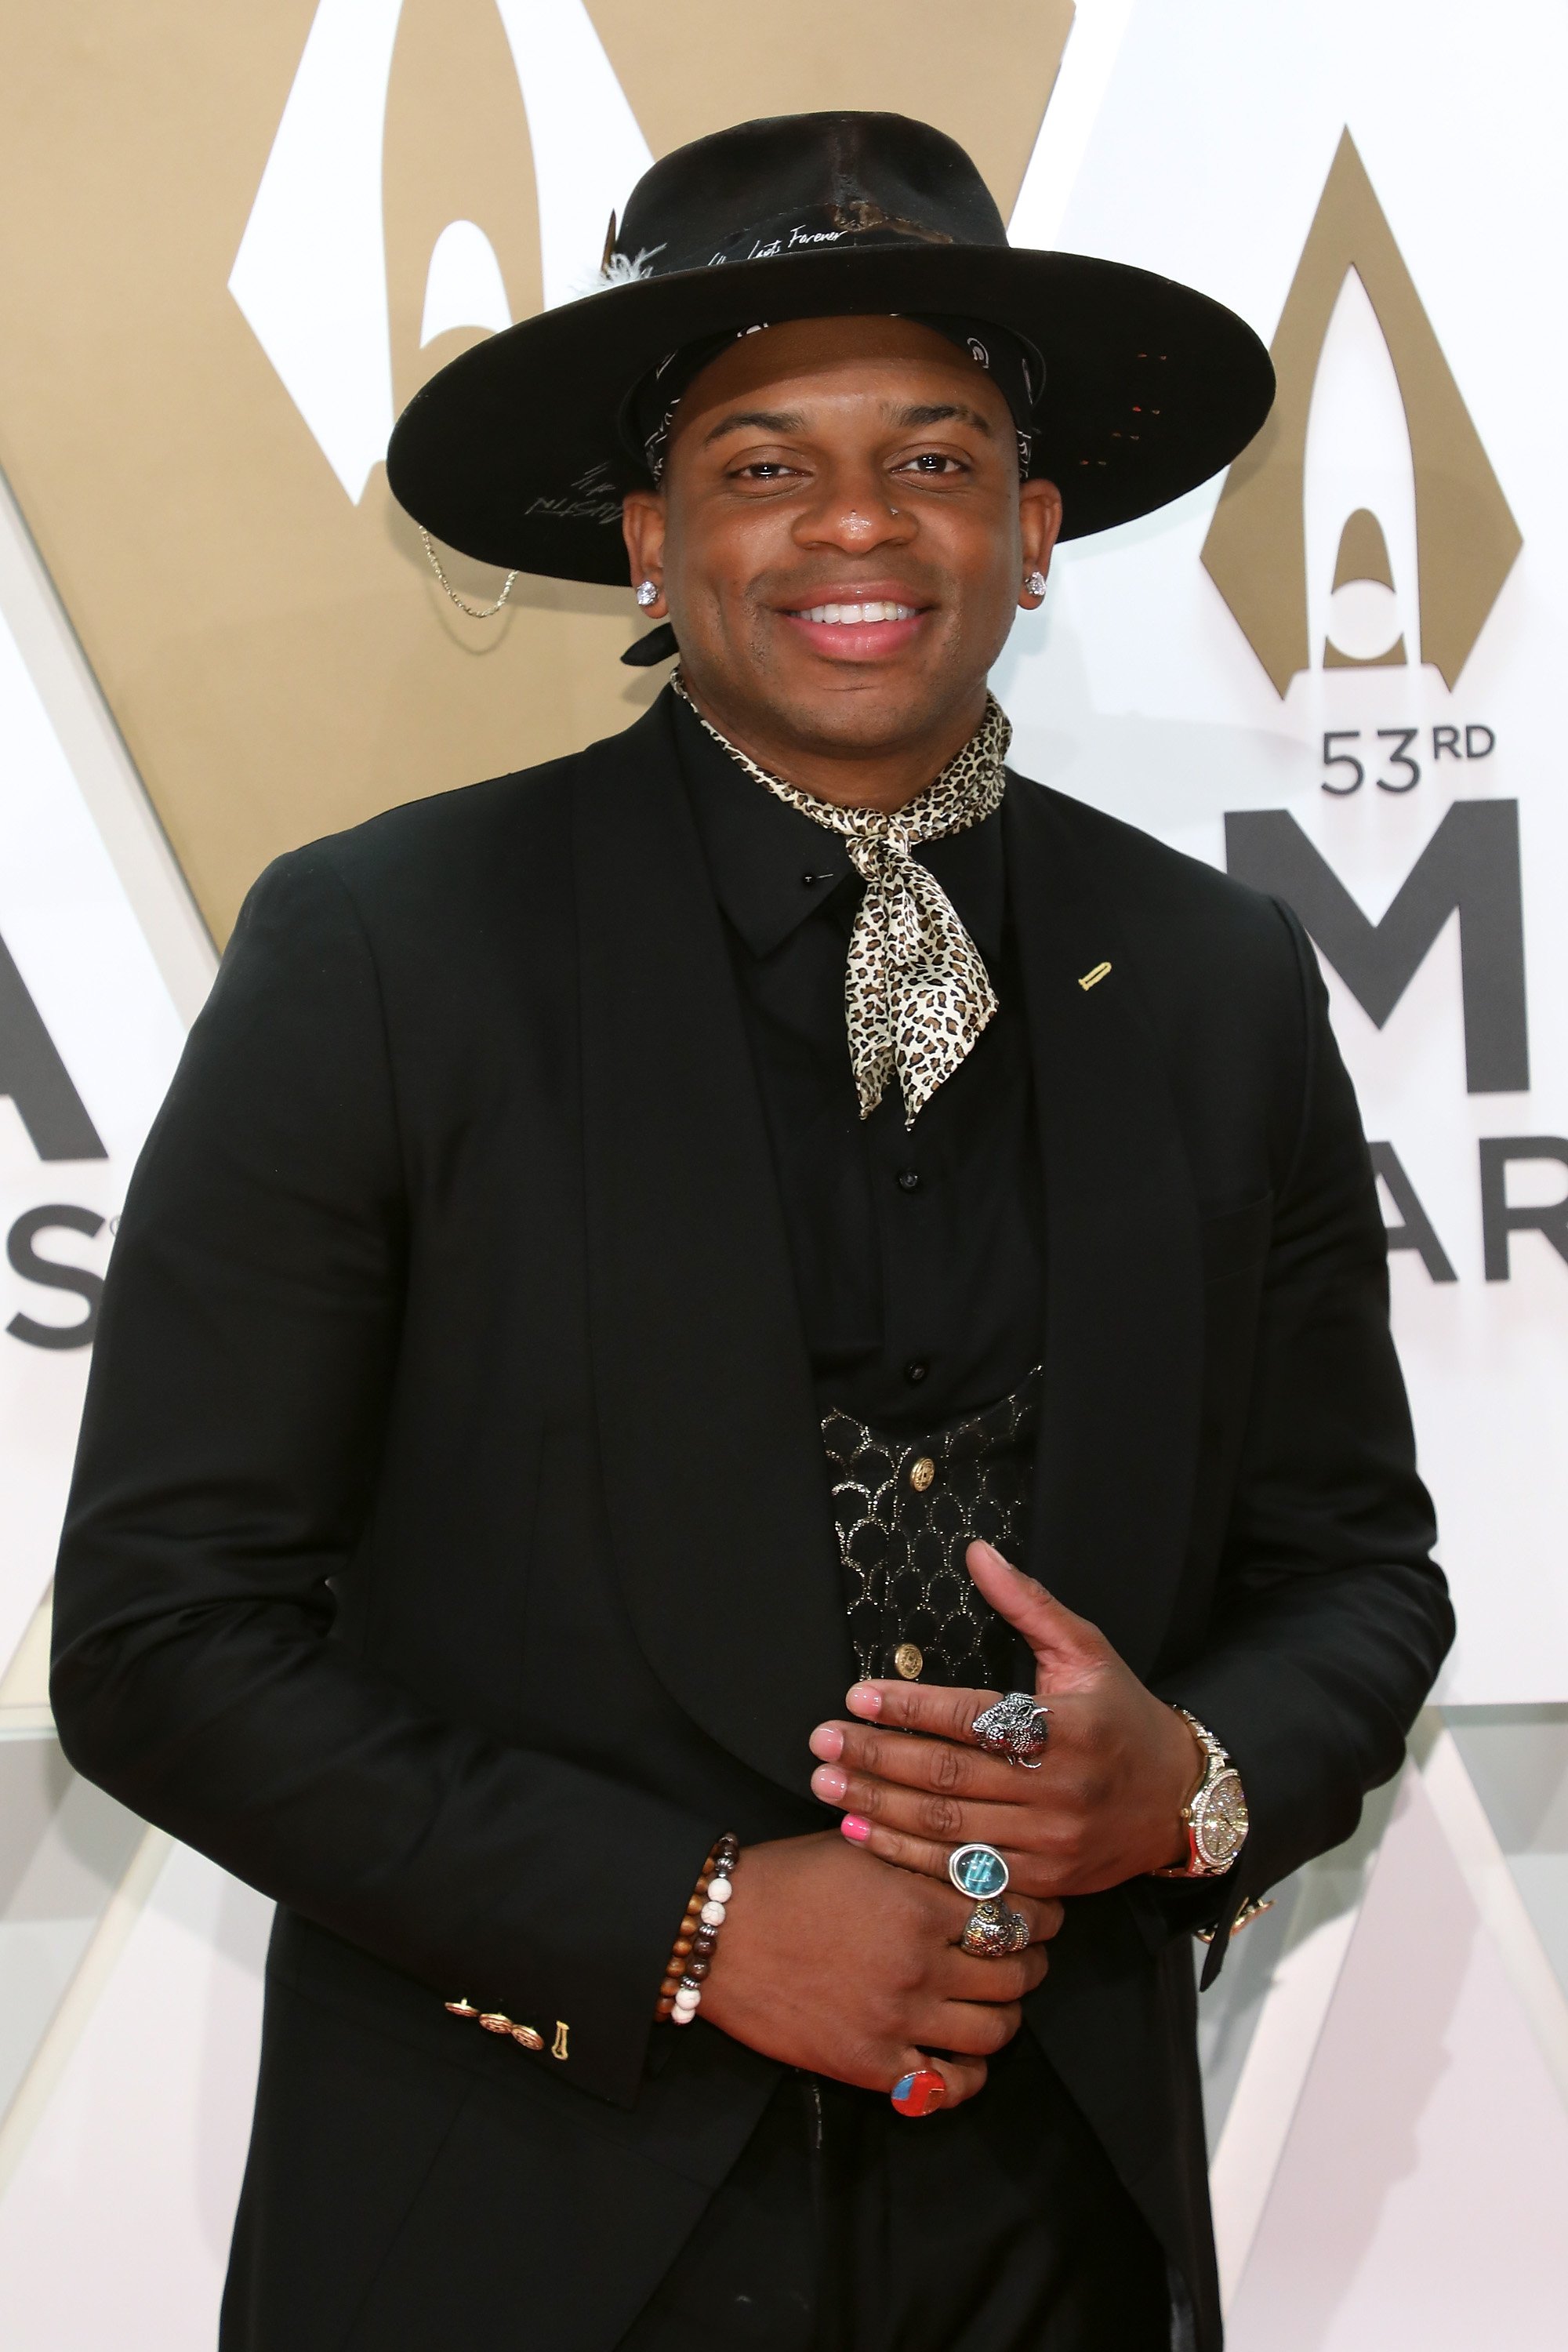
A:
(1034, 581)
(649, 594)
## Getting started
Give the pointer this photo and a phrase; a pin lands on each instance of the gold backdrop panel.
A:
(278, 656)
(985, 76)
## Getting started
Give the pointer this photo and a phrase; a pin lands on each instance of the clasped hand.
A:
(1104, 1805)
(849, 1963)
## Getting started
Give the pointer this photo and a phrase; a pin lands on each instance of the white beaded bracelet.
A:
(688, 1999)
(680, 1995)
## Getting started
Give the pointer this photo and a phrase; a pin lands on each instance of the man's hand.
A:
(832, 1961)
(1105, 1805)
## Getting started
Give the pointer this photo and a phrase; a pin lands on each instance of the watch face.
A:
(1221, 1822)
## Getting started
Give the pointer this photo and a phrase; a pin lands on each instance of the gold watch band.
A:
(1217, 1766)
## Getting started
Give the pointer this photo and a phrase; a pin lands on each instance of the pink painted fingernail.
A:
(828, 1783)
(865, 1700)
(855, 1829)
(827, 1741)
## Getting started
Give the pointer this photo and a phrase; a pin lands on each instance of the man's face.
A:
(827, 464)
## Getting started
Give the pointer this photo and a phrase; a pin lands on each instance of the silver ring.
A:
(992, 1932)
(979, 1872)
(1016, 1728)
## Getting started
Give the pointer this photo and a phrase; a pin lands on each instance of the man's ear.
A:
(642, 527)
(1039, 523)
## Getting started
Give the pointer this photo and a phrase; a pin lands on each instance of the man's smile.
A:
(855, 623)
(851, 615)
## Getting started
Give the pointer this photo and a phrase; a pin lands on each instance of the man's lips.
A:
(859, 628)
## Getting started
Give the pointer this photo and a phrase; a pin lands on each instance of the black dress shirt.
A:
(916, 1252)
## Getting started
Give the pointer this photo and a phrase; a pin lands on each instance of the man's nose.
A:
(855, 509)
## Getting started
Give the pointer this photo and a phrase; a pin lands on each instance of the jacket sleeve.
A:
(228, 1457)
(1330, 1619)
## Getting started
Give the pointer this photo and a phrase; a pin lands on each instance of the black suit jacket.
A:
(449, 1554)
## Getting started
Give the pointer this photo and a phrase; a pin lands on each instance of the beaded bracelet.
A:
(681, 1994)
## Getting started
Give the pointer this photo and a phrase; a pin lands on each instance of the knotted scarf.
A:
(916, 990)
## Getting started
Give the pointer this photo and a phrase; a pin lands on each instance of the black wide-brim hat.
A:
(518, 453)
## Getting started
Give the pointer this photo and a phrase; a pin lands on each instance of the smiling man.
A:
(635, 1250)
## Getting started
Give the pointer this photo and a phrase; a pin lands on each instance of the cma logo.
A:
(1365, 530)
(1370, 444)
(56, 1123)
(311, 274)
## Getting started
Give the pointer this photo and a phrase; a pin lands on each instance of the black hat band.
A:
(1014, 367)
(813, 228)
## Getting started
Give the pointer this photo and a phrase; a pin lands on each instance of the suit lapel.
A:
(1124, 1313)
(712, 1456)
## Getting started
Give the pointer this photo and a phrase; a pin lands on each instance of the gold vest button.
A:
(908, 1658)
(922, 1472)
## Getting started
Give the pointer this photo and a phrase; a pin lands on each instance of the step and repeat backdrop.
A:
(232, 245)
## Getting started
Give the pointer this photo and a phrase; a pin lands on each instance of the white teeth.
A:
(850, 614)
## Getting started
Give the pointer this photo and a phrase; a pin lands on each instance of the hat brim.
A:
(513, 453)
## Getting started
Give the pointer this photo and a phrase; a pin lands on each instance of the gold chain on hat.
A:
(474, 612)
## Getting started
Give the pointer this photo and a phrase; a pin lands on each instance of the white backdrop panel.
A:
(89, 1037)
(1139, 690)
(114, 2226)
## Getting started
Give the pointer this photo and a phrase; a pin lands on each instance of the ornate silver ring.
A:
(992, 1932)
(1016, 1728)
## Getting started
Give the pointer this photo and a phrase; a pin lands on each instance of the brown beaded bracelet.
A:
(681, 1994)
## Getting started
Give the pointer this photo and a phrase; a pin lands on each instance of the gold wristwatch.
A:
(1215, 1815)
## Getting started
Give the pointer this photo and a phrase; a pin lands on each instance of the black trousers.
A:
(844, 2227)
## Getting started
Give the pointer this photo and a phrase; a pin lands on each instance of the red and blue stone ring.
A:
(920, 2092)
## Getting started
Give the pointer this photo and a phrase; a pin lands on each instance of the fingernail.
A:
(827, 1741)
(865, 1700)
(855, 1829)
(828, 1783)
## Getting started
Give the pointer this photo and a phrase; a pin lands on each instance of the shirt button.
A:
(916, 1371)
(908, 1658)
(908, 1180)
(922, 1472)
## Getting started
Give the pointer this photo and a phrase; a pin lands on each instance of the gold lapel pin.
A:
(1090, 978)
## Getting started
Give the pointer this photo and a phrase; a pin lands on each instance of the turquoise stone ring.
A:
(977, 1871)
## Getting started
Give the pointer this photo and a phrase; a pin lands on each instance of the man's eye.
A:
(931, 461)
(766, 469)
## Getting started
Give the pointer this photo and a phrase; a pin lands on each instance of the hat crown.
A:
(790, 183)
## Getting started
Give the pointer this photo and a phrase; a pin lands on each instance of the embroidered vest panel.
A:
(906, 1509)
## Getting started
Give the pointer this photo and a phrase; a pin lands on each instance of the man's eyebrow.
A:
(790, 420)
(754, 420)
(940, 413)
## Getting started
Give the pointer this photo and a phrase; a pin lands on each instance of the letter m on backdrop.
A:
(33, 1074)
(1469, 869)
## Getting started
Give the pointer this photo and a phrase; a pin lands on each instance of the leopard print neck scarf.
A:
(916, 989)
